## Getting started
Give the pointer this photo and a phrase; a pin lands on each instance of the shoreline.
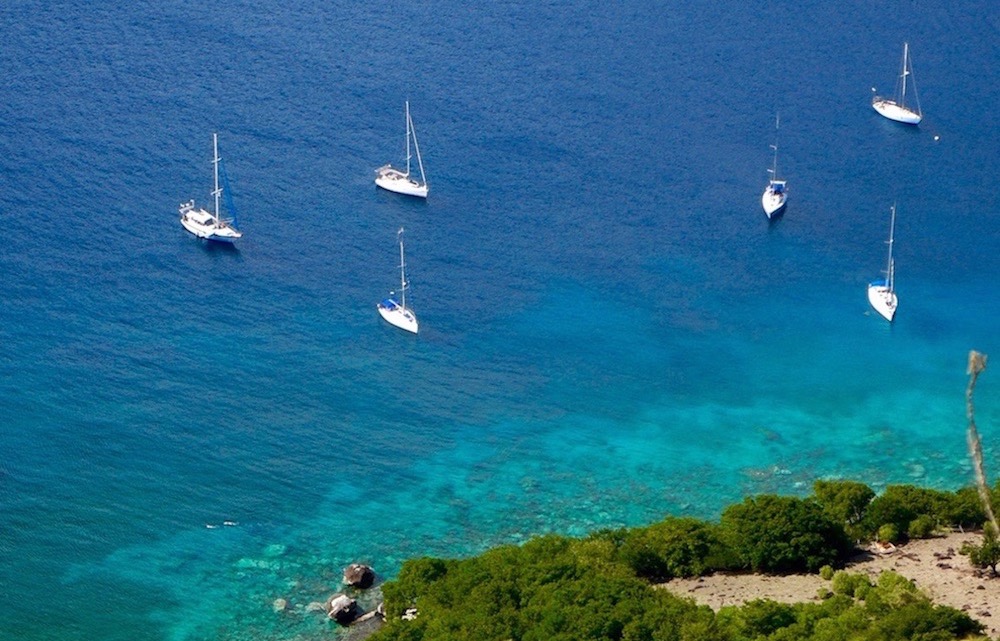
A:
(934, 565)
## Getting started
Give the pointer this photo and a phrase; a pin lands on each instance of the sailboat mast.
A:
(906, 54)
(407, 137)
(774, 167)
(892, 231)
(402, 271)
(215, 161)
(420, 162)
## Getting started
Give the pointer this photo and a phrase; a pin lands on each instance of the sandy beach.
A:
(934, 565)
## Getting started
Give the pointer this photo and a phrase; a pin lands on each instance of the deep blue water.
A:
(611, 331)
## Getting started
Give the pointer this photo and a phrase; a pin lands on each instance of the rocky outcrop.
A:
(359, 576)
(342, 609)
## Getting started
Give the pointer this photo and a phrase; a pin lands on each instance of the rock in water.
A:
(343, 609)
(359, 576)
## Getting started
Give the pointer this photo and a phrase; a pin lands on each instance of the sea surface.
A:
(611, 329)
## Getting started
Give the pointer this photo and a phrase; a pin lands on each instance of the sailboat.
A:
(882, 293)
(896, 108)
(396, 312)
(776, 192)
(392, 179)
(204, 224)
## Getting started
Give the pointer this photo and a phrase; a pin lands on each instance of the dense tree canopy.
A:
(783, 534)
(603, 587)
(845, 502)
(675, 547)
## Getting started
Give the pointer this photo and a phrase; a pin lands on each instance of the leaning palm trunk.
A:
(977, 363)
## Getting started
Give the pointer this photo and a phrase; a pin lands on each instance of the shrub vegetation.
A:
(556, 588)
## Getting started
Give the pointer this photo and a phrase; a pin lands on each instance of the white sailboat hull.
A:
(394, 180)
(893, 111)
(776, 192)
(397, 315)
(882, 299)
(773, 201)
(895, 108)
(203, 224)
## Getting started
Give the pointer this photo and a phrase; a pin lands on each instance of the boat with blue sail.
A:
(205, 224)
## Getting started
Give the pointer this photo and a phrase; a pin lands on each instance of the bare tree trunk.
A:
(977, 363)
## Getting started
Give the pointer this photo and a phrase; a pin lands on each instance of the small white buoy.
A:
(936, 137)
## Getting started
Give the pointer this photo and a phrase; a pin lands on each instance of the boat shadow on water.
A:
(213, 248)
(884, 327)
(893, 126)
(409, 202)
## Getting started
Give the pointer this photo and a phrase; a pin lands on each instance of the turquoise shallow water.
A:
(610, 329)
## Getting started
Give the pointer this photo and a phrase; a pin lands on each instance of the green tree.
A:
(772, 533)
(899, 505)
(986, 554)
(763, 617)
(889, 533)
(851, 584)
(415, 577)
(845, 502)
(922, 527)
(965, 509)
(675, 547)
(702, 629)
